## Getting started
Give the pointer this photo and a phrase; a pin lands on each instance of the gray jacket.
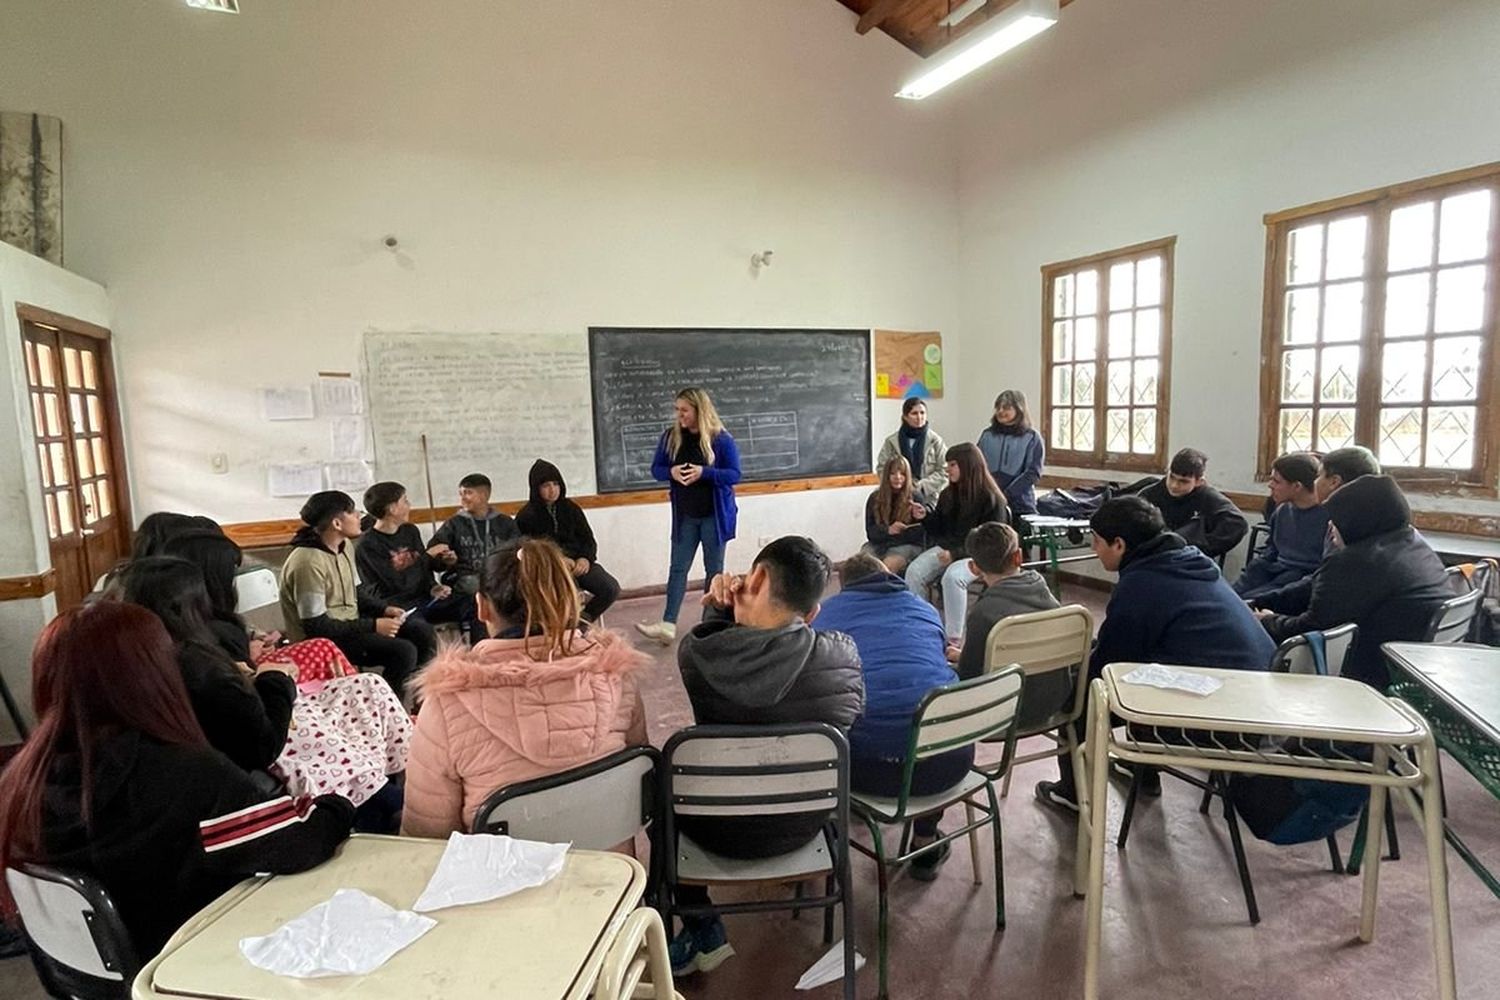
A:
(1019, 594)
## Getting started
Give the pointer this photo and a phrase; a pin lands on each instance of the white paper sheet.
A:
(294, 479)
(351, 477)
(1158, 676)
(829, 968)
(346, 438)
(351, 934)
(476, 867)
(340, 395)
(287, 402)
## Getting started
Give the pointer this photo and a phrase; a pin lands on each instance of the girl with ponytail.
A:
(543, 694)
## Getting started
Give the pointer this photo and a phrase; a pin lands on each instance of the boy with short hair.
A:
(755, 660)
(1195, 510)
(471, 535)
(396, 568)
(995, 556)
(1171, 605)
(550, 514)
(1299, 529)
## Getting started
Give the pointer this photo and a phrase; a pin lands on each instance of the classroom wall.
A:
(545, 167)
(1194, 120)
(23, 544)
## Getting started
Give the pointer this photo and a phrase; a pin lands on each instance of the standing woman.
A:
(702, 463)
(895, 538)
(1014, 451)
(971, 499)
(922, 448)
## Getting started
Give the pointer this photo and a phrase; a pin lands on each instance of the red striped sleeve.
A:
(244, 825)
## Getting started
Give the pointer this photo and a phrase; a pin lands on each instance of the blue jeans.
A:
(925, 569)
(690, 532)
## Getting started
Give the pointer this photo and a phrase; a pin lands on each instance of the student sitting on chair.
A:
(995, 555)
(893, 535)
(1381, 576)
(117, 781)
(395, 568)
(921, 446)
(1299, 529)
(550, 514)
(538, 697)
(900, 641)
(1171, 605)
(1203, 516)
(755, 660)
(319, 596)
(466, 540)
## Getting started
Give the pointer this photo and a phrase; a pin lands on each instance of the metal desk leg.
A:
(1371, 887)
(1437, 869)
(1098, 776)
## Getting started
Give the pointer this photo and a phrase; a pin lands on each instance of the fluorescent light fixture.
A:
(1019, 22)
(222, 6)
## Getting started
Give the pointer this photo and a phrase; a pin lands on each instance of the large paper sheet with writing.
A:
(488, 402)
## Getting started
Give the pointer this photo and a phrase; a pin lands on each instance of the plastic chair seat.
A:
(884, 809)
(698, 866)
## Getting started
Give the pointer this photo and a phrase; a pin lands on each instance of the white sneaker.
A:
(662, 632)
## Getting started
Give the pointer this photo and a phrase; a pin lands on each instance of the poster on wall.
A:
(908, 364)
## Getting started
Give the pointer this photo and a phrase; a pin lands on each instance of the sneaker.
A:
(662, 632)
(1051, 793)
(703, 949)
(924, 867)
(1150, 777)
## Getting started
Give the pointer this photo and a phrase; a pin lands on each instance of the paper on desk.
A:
(477, 867)
(1158, 676)
(349, 935)
(829, 968)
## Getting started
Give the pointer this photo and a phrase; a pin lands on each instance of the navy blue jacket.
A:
(900, 639)
(722, 476)
(1173, 606)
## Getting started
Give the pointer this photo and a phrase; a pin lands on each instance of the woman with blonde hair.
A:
(541, 695)
(700, 462)
(895, 536)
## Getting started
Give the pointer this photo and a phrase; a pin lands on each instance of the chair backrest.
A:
(1451, 621)
(962, 714)
(596, 806)
(1297, 656)
(79, 944)
(256, 588)
(1465, 577)
(1260, 537)
(1040, 643)
(756, 770)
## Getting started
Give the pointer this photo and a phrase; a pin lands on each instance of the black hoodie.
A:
(1384, 579)
(1204, 518)
(562, 521)
(394, 568)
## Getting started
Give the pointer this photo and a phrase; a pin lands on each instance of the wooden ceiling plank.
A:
(882, 11)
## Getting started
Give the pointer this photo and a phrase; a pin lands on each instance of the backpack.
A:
(1299, 810)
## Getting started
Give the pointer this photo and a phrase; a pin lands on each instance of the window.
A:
(1380, 329)
(1106, 358)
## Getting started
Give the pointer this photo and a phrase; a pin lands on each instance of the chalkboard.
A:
(796, 401)
(488, 402)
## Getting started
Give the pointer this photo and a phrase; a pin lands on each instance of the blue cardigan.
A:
(900, 639)
(722, 476)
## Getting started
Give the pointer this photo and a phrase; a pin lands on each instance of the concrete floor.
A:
(1175, 924)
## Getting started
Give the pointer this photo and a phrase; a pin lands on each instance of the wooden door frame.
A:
(109, 393)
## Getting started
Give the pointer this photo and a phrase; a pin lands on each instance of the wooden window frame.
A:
(1100, 458)
(1483, 480)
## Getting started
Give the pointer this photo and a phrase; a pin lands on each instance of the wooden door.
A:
(75, 421)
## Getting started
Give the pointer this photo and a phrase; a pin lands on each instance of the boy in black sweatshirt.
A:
(469, 537)
(550, 514)
(396, 568)
(1202, 515)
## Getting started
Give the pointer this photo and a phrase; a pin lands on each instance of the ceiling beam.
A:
(881, 11)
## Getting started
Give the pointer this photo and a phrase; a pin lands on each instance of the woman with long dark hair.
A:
(700, 462)
(1014, 451)
(118, 780)
(892, 532)
(921, 446)
(971, 498)
(351, 732)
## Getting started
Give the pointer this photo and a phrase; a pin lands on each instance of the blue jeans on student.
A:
(691, 532)
(925, 569)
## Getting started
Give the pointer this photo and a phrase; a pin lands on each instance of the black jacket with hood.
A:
(741, 676)
(472, 540)
(1205, 518)
(562, 521)
(1384, 579)
(170, 828)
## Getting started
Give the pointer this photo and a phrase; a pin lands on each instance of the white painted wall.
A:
(545, 167)
(1141, 119)
(29, 280)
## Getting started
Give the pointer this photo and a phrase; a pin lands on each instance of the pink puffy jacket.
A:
(492, 716)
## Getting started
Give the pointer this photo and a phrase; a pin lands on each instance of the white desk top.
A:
(545, 942)
(1256, 701)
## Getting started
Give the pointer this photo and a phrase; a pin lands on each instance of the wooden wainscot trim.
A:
(28, 588)
(272, 534)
